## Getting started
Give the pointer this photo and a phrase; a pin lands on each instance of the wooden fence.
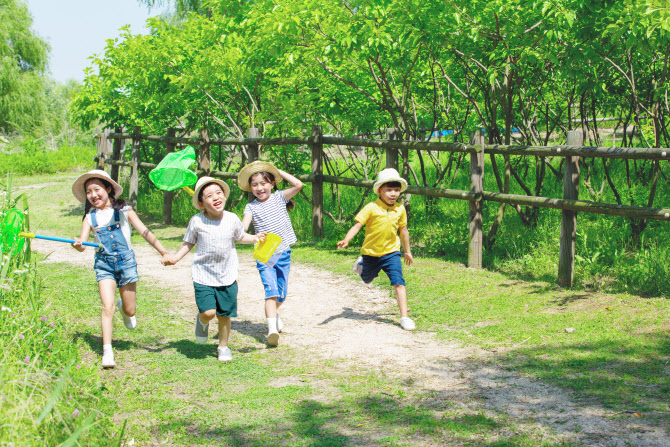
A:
(568, 204)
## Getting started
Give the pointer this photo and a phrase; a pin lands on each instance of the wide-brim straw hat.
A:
(253, 168)
(79, 185)
(202, 182)
(386, 176)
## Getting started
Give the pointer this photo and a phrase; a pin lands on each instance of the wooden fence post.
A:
(204, 155)
(476, 236)
(168, 195)
(252, 154)
(134, 173)
(102, 144)
(317, 185)
(392, 154)
(116, 154)
(566, 256)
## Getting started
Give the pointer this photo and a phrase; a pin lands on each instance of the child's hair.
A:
(205, 186)
(117, 204)
(391, 185)
(270, 178)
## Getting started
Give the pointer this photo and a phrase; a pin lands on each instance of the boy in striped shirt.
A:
(215, 264)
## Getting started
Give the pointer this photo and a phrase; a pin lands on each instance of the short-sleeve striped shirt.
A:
(271, 217)
(215, 260)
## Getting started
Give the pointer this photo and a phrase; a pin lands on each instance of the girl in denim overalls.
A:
(110, 218)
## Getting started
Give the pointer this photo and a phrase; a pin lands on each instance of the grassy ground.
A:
(173, 392)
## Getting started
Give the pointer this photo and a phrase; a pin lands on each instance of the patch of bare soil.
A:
(329, 316)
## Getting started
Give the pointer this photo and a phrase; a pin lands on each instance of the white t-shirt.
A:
(104, 217)
(271, 217)
(215, 260)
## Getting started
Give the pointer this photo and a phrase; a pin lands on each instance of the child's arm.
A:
(85, 233)
(184, 248)
(353, 231)
(296, 185)
(146, 233)
(251, 238)
(246, 221)
(404, 237)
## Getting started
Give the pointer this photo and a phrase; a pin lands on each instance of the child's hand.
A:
(342, 244)
(77, 244)
(261, 236)
(168, 259)
(409, 259)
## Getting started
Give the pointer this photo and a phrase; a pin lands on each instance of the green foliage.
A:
(23, 60)
(31, 157)
(47, 396)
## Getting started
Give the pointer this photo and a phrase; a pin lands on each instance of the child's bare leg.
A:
(129, 298)
(401, 297)
(224, 330)
(271, 306)
(207, 316)
(107, 289)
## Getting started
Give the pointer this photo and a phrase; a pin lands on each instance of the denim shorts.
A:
(391, 265)
(122, 268)
(221, 298)
(275, 278)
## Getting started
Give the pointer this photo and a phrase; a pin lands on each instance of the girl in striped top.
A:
(269, 213)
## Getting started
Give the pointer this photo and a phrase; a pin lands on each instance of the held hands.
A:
(168, 259)
(409, 259)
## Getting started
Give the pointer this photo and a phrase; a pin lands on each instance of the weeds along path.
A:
(327, 316)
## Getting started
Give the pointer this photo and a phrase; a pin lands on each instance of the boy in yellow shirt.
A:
(381, 248)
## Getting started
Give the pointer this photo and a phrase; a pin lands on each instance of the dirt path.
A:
(331, 316)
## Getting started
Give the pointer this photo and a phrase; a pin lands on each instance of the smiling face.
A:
(213, 200)
(389, 194)
(261, 186)
(97, 193)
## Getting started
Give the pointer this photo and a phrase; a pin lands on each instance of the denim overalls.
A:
(114, 260)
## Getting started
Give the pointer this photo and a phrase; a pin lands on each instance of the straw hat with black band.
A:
(254, 168)
(387, 176)
(202, 182)
(79, 185)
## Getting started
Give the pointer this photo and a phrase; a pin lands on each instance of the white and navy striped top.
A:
(215, 261)
(271, 217)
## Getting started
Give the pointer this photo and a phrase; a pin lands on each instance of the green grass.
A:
(170, 389)
(618, 353)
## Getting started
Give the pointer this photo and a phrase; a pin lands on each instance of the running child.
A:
(215, 264)
(110, 218)
(269, 213)
(381, 247)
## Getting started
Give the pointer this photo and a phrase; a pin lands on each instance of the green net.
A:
(173, 171)
(11, 226)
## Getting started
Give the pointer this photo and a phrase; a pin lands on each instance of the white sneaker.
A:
(108, 359)
(201, 331)
(407, 324)
(130, 322)
(273, 338)
(280, 324)
(224, 354)
(358, 266)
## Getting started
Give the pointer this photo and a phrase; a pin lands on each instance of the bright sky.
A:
(77, 29)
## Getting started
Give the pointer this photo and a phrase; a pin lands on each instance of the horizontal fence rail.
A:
(568, 204)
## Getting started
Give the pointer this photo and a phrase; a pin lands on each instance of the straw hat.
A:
(79, 190)
(253, 168)
(389, 175)
(204, 181)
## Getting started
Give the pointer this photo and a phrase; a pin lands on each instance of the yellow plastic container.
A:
(263, 250)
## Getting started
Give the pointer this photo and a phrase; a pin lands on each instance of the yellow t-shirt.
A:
(381, 227)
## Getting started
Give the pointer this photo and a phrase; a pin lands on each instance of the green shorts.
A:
(221, 298)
